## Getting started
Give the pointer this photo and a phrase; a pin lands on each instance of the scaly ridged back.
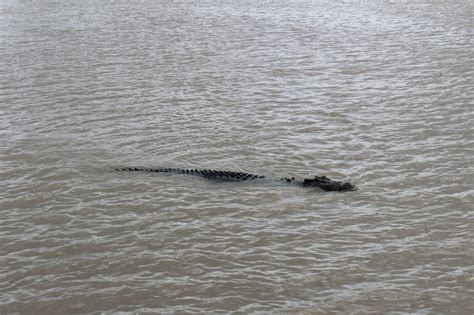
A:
(210, 174)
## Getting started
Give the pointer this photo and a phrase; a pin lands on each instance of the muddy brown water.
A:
(376, 92)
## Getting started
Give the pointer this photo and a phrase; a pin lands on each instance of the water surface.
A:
(375, 92)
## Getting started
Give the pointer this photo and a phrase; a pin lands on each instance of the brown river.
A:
(376, 92)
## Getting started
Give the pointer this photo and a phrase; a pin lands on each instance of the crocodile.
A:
(322, 182)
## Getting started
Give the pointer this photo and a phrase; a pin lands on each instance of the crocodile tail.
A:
(210, 174)
(129, 169)
(143, 169)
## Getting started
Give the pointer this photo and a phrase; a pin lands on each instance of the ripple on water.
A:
(376, 94)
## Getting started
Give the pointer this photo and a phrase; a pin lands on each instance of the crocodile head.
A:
(327, 184)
